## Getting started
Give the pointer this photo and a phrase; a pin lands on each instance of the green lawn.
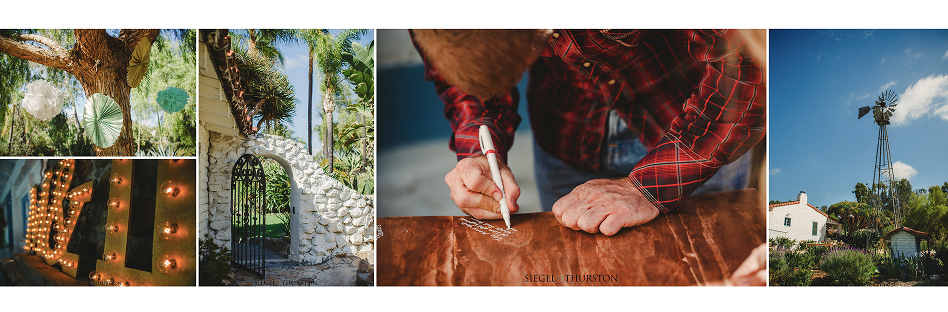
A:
(274, 226)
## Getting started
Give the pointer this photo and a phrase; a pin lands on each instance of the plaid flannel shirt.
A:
(689, 95)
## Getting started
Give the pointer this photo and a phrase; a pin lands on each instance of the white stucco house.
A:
(799, 221)
(906, 242)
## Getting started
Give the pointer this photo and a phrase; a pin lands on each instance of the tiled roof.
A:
(795, 202)
(915, 233)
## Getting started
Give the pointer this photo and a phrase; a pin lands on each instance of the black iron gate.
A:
(248, 202)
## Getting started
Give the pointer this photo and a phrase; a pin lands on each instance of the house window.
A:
(786, 221)
(815, 225)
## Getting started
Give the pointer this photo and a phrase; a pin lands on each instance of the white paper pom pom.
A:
(43, 100)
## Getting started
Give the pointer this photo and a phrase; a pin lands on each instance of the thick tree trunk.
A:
(100, 63)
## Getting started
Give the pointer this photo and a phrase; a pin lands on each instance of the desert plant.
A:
(848, 267)
(781, 242)
(789, 268)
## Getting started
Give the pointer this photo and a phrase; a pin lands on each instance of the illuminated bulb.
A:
(116, 179)
(95, 277)
(110, 257)
(115, 204)
(170, 263)
(112, 228)
(169, 229)
(109, 282)
(126, 283)
(172, 191)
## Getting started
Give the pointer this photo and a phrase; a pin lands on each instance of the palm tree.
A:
(328, 51)
(310, 37)
(270, 96)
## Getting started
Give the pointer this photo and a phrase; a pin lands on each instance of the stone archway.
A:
(330, 219)
(292, 253)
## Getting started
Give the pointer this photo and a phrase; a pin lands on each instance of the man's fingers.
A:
(476, 179)
(511, 189)
(611, 225)
(591, 219)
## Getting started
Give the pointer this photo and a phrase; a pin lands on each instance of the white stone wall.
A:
(903, 244)
(330, 219)
(203, 147)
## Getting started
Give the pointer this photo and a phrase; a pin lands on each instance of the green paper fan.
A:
(172, 99)
(138, 63)
(102, 119)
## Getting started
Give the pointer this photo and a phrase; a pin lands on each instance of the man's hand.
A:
(753, 272)
(605, 206)
(474, 191)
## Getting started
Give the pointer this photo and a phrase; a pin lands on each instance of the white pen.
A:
(487, 146)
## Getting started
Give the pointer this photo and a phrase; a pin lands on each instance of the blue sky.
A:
(819, 79)
(296, 68)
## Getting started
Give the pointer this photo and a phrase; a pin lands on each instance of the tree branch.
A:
(55, 57)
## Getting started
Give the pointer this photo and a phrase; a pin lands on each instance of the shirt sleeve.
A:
(723, 119)
(467, 113)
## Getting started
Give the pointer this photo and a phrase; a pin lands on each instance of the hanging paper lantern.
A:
(138, 63)
(172, 99)
(102, 118)
(43, 100)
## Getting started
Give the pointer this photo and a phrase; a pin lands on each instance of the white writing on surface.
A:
(484, 228)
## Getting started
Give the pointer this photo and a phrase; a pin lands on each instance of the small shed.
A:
(906, 242)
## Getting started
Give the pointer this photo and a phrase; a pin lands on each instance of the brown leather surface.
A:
(701, 243)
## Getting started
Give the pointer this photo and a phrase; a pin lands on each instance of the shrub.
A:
(214, 264)
(789, 268)
(862, 239)
(781, 242)
(815, 253)
(941, 252)
(804, 244)
(931, 264)
(884, 264)
(907, 268)
(848, 267)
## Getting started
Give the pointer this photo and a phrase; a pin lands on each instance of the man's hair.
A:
(484, 62)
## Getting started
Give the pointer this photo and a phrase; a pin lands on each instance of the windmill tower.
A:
(882, 172)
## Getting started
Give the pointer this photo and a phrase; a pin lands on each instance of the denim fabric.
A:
(622, 151)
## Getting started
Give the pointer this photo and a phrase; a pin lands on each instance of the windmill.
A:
(882, 172)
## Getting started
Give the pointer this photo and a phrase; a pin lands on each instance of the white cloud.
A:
(927, 95)
(774, 171)
(858, 98)
(945, 56)
(903, 171)
(882, 61)
(886, 86)
(296, 61)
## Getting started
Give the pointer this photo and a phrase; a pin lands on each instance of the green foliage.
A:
(783, 242)
(278, 192)
(865, 239)
(172, 65)
(941, 251)
(815, 253)
(848, 267)
(853, 215)
(215, 264)
(270, 98)
(347, 170)
(789, 268)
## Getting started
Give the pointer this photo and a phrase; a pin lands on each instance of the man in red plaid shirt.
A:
(664, 110)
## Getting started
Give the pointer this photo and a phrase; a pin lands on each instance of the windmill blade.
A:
(888, 114)
(890, 98)
(863, 111)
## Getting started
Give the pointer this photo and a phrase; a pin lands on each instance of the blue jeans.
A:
(621, 152)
